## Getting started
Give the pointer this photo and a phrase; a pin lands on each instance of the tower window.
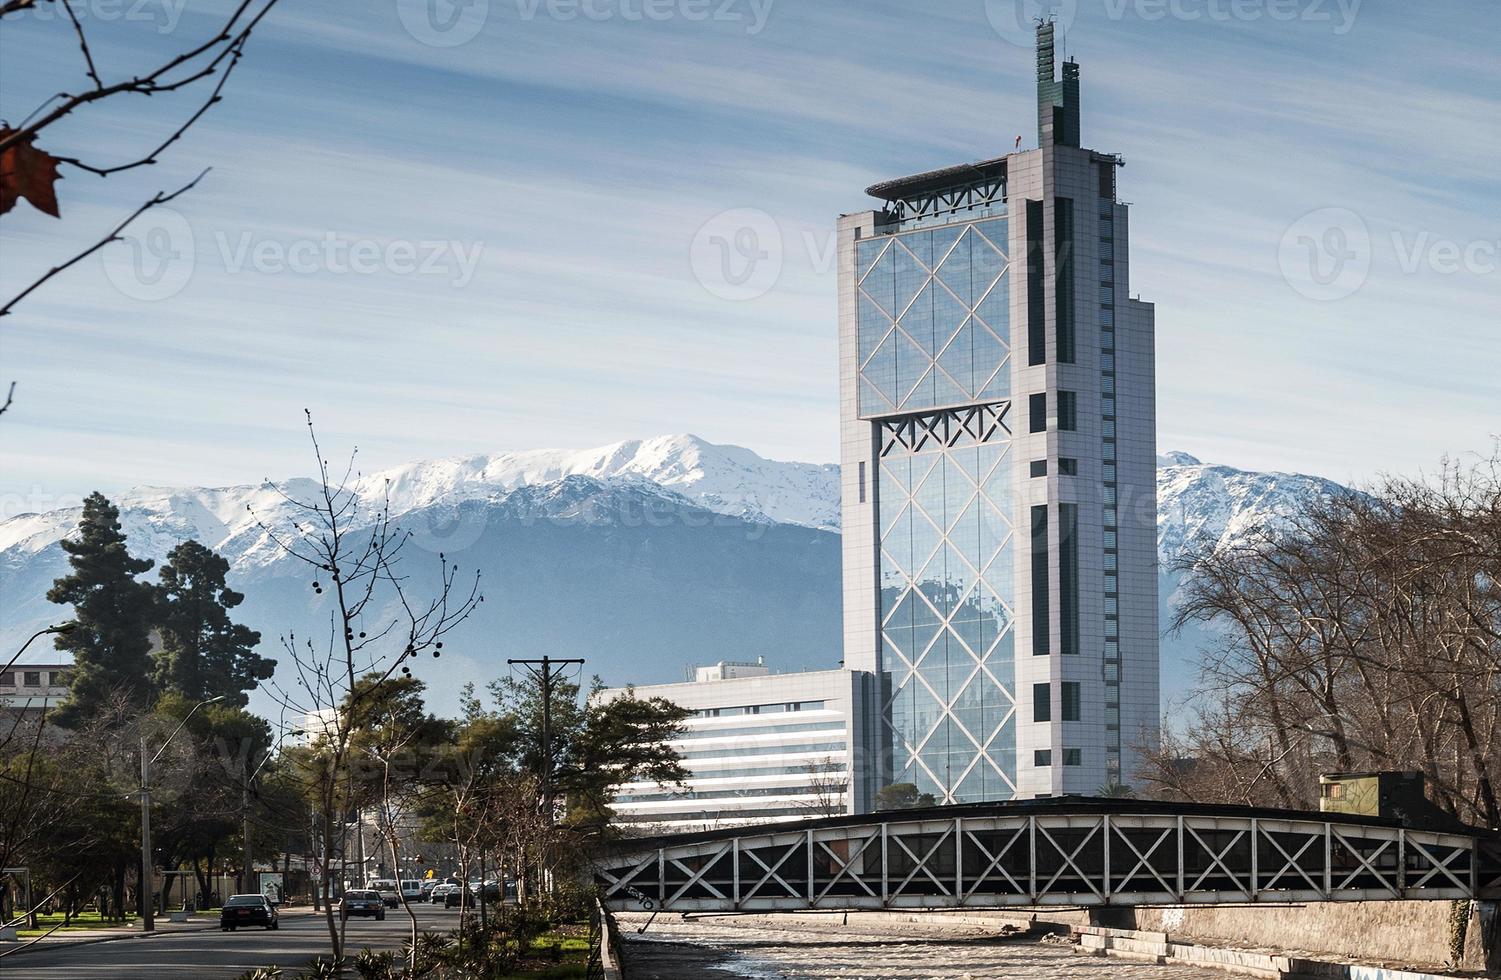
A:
(1068, 411)
(1040, 625)
(1042, 702)
(1063, 233)
(1037, 411)
(1070, 701)
(1037, 341)
(1039, 467)
(1068, 578)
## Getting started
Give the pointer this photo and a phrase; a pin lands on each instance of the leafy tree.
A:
(621, 741)
(902, 796)
(76, 794)
(386, 715)
(204, 654)
(595, 746)
(111, 644)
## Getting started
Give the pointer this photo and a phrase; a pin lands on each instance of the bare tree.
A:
(377, 624)
(1365, 634)
(828, 784)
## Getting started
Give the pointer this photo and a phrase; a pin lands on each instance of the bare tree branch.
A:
(113, 236)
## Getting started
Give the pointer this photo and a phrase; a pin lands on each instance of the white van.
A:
(386, 888)
(411, 889)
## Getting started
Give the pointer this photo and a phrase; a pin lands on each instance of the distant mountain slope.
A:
(1202, 507)
(642, 556)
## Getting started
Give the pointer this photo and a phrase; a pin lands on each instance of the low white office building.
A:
(761, 747)
(33, 687)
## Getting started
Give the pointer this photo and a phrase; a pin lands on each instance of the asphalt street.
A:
(214, 954)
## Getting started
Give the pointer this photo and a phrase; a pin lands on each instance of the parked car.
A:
(411, 889)
(426, 890)
(440, 892)
(492, 891)
(247, 910)
(387, 889)
(363, 901)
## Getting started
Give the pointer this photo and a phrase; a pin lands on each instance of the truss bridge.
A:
(1067, 851)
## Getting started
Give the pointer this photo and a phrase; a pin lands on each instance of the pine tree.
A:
(111, 644)
(204, 654)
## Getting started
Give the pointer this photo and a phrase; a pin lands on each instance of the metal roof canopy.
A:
(903, 188)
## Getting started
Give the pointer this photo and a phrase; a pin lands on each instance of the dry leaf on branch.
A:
(28, 172)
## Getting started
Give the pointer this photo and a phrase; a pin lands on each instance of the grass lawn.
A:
(562, 954)
(81, 921)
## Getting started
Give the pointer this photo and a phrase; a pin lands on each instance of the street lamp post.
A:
(148, 869)
(67, 627)
(245, 867)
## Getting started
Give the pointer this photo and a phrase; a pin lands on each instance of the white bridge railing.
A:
(1010, 858)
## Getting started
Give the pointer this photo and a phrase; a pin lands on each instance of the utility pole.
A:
(148, 870)
(247, 867)
(246, 861)
(545, 670)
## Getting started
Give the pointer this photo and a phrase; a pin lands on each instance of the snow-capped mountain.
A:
(1202, 507)
(643, 556)
(726, 480)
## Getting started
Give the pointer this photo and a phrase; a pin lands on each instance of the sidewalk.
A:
(164, 927)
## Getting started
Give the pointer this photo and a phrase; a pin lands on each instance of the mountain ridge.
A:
(626, 520)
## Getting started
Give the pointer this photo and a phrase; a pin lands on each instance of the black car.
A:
(363, 902)
(247, 910)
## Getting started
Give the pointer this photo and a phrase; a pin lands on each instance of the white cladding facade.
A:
(761, 748)
(997, 397)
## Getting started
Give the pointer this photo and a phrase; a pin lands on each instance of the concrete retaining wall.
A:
(1415, 933)
(1157, 947)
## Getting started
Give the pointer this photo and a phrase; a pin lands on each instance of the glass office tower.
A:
(997, 403)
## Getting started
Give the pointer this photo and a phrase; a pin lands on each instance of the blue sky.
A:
(557, 175)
